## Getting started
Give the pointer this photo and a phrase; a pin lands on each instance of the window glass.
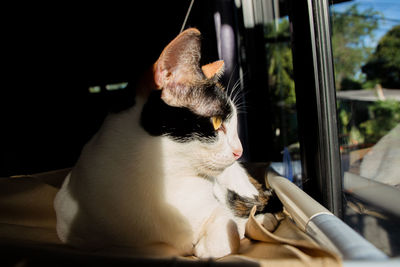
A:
(268, 73)
(283, 97)
(366, 51)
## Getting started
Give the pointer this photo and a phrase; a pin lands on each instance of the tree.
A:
(383, 66)
(385, 116)
(280, 64)
(281, 83)
(350, 28)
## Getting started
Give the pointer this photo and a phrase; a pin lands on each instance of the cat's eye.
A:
(217, 122)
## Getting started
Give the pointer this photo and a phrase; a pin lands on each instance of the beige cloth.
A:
(27, 218)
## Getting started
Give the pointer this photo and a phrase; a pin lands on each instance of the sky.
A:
(389, 8)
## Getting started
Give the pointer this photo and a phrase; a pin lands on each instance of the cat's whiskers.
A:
(238, 97)
(230, 79)
(241, 108)
(240, 102)
(242, 111)
(235, 90)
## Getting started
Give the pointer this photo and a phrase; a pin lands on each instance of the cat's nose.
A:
(237, 152)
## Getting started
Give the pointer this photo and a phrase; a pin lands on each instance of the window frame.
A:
(316, 102)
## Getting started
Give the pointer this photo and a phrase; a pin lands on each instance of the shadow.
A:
(47, 113)
(25, 202)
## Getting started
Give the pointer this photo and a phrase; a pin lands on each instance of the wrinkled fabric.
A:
(27, 217)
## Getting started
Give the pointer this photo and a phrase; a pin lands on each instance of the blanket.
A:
(28, 236)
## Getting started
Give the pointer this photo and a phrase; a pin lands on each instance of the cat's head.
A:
(191, 108)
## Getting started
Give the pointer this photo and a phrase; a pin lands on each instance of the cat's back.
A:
(121, 185)
(118, 157)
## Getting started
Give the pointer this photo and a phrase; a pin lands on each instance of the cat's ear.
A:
(214, 69)
(179, 61)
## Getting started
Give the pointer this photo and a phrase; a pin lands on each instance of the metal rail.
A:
(325, 228)
(380, 195)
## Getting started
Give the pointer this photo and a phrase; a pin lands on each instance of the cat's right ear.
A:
(214, 69)
(179, 60)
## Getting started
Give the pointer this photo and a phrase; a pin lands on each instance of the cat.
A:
(164, 171)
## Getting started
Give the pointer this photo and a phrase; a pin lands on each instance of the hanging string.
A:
(187, 15)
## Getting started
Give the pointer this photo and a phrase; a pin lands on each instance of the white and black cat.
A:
(164, 171)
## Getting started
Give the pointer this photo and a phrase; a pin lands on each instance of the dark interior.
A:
(52, 56)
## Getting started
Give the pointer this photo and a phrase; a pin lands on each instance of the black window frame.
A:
(315, 97)
(316, 101)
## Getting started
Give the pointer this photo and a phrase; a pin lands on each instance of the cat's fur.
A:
(159, 172)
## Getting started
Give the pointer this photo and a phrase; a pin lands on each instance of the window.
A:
(329, 81)
(366, 53)
(270, 88)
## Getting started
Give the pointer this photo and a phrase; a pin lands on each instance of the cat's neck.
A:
(175, 162)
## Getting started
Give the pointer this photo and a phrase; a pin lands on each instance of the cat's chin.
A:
(212, 171)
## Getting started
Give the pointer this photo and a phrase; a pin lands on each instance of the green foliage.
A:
(350, 84)
(281, 83)
(349, 132)
(383, 65)
(363, 122)
(349, 30)
(280, 63)
(344, 119)
(377, 119)
(369, 84)
(385, 115)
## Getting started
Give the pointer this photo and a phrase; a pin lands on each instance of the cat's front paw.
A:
(219, 241)
(205, 249)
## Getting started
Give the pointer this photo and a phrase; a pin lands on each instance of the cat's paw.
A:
(206, 249)
(268, 221)
(218, 241)
(236, 179)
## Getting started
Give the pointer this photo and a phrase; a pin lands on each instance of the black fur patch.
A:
(215, 95)
(242, 205)
(179, 123)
